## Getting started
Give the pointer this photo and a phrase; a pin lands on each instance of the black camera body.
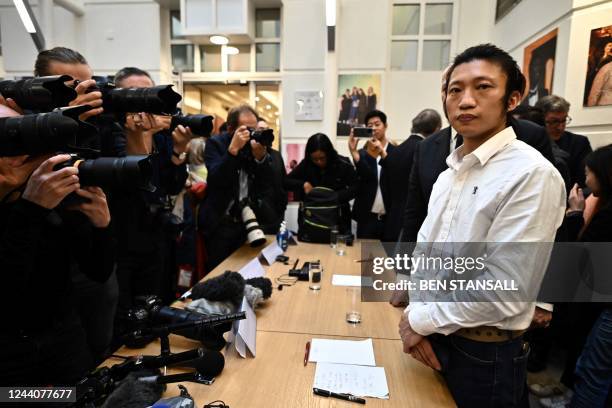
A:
(41, 94)
(264, 137)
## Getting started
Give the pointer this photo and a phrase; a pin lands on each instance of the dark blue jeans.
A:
(482, 374)
(594, 367)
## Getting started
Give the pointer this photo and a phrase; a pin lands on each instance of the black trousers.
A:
(58, 356)
(371, 226)
(96, 304)
(227, 237)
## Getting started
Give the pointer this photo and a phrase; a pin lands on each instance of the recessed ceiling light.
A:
(219, 39)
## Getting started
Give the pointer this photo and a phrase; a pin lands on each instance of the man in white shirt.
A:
(497, 189)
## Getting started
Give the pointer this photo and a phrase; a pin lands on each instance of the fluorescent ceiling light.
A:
(25, 16)
(219, 40)
(232, 51)
(330, 12)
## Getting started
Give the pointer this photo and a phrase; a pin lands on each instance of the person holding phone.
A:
(373, 194)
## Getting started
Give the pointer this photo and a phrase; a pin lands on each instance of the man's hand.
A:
(352, 145)
(240, 138)
(259, 151)
(425, 354)
(14, 171)
(307, 187)
(11, 104)
(139, 130)
(93, 99)
(96, 209)
(375, 149)
(399, 298)
(180, 138)
(576, 199)
(48, 187)
(409, 337)
(541, 318)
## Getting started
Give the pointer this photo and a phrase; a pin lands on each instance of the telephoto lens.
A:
(160, 100)
(40, 133)
(42, 93)
(130, 172)
(200, 125)
(255, 235)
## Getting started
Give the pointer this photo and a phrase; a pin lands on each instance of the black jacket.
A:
(223, 180)
(368, 184)
(430, 160)
(339, 176)
(578, 147)
(38, 250)
(396, 167)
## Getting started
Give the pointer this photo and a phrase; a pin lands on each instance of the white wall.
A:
(574, 21)
(304, 35)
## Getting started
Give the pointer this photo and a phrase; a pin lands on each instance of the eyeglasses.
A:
(557, 122)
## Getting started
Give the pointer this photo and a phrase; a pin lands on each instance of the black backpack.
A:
(319, 213)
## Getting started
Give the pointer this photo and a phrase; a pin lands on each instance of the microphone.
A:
(171, 359)
(208, 366)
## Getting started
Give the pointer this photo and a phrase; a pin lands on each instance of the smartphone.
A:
(362, 132)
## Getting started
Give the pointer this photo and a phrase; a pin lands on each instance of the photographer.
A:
(146, 228)
(237, 168)
(96, 301)
(43, 341)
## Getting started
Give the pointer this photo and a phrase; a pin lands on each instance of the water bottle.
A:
(282, 238)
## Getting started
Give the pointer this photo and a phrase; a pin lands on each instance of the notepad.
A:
(342, 352)
(351, 379)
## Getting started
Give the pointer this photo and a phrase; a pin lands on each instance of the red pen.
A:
(306, 353)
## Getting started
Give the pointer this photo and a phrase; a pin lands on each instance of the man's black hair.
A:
(426, 122)
(489, 52)
(57, 54)
(376, 114)
(127, 72)
(233, 117)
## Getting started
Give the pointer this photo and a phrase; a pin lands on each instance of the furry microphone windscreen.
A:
(229, 286)
(133, 393)
(262, 283)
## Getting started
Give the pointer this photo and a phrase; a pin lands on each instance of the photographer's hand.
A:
(259, 151)
(48, 187)
(14, 171)
(139, 131)
(240, 138)
(93, 99)
(11, 104)
(96, 209)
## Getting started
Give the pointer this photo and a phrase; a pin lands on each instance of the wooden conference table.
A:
(291, 317)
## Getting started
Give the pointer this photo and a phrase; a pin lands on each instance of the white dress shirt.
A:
(503, 192)
(378, 206)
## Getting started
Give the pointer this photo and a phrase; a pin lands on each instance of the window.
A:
(268, 57)
(182, 57)
(210, 58)
(503, 7)
(267, 23)
(175, 24)
(421, 35)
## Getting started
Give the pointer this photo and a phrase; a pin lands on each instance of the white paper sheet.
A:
(359, 352)
(352, 379)
(346, 280)
(252, 270)
(245, 331)
(270, 252)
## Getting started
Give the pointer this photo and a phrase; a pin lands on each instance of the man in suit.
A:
(397, 168)
(373, 196)
(555, 110)
(237, 167)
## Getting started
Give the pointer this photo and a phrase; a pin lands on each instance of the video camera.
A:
(150, 312)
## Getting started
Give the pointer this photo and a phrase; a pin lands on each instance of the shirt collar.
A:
(484, 152)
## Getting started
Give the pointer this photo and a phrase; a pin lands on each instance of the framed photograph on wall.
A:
(539, 67)
(358, 94)
(598, 83)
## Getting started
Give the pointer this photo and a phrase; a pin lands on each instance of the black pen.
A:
(346, 397)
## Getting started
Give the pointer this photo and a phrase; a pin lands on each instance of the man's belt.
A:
(489, 334)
